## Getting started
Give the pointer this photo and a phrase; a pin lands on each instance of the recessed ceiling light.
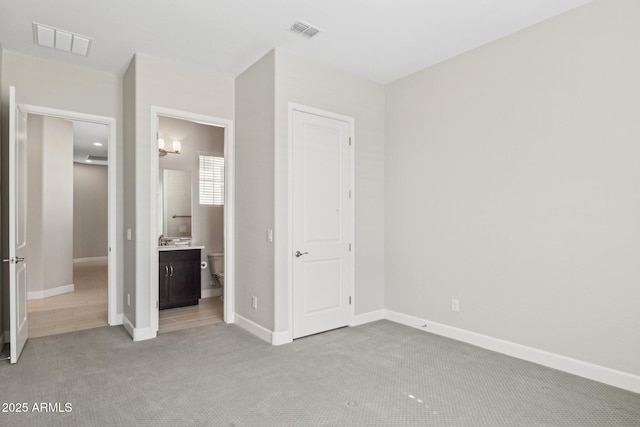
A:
(65, 41)
(98, 144)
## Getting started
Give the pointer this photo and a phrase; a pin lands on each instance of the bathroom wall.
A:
(207, 221)
(50, 201)
(90, 211)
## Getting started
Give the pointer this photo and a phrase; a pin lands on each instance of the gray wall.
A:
(512, 185)
(35, 132)
(255, 101)
(306, 82)
(207, 221)
(56, 85)
(129, 179)
(50, 203)
(171, 85)
(90, 214)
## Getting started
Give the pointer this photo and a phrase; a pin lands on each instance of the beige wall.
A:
(56, 85)
(206, 221)
(512, 185)
(255, 93)
(50, 203)
(315, 85)
(90, 214)
(129, 196)
(166, 84)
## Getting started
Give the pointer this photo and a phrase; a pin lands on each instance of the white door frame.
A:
(311, 110)
(114, 318)
(229, 208)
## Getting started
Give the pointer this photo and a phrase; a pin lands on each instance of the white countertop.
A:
(178, 248)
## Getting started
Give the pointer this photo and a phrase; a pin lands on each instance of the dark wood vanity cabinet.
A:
(179, 278)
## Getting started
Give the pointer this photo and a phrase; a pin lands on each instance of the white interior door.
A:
(17, 227)
(321, 224)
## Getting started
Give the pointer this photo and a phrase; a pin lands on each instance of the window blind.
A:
(211, 180)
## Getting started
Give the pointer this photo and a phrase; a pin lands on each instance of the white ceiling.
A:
(85, 135)
(381, 40)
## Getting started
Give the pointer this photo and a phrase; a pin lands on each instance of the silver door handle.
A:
(166, 271)
(18, 259)
(299, 254)
(13, 260)
(171, 274)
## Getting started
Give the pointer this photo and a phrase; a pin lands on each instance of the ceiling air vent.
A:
(98, 158)
(60, 39)
(304, 29)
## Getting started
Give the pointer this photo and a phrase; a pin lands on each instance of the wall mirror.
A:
(175, 191)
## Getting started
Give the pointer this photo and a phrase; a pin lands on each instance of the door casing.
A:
(114, 318)
(229, 209)
(282, 338)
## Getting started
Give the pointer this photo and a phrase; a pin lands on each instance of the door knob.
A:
(299, 254)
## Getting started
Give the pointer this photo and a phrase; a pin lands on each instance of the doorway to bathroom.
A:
(192, 205)
(71, 221)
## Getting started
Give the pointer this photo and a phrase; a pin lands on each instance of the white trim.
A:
(371, 316)
(138, 334)
(588, 370)
(90, 259)
(112, 167)
(280, 338)
(292, 106)
(50, 292)
(210, 293)
(229, 206)
(118, 319)
(255, 329)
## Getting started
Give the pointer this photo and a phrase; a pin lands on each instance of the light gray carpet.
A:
(380, 374)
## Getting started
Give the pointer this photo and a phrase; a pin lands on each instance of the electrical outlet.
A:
(128, 299)
(254, 302)
(455, 305)
(128, 234)
(270, 235)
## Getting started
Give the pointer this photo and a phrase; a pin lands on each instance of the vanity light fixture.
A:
(163, 152)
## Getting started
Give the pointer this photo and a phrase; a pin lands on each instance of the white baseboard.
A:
(138, 334)
(280, 338)
(210, 293)
(252, 327)
(50, 292)
(583, 369)
(372, 316)
(90, 259)
(118, 319)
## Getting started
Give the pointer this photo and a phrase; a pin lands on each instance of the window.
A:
(211, 180)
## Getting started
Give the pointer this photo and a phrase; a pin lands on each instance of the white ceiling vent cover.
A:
(304, 29)
(97, 158)
(65, 41)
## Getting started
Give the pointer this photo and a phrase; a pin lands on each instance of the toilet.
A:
(216, 266)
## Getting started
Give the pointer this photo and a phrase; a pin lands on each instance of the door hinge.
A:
(349, 193)
(349, 300)
(349, 141)
(349, 247)
(157, 304)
